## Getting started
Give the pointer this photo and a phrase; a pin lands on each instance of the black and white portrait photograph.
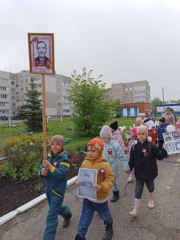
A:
(41, 53)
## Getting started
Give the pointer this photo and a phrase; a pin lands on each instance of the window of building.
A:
(66, 110)
(3, 88)
(2, 96)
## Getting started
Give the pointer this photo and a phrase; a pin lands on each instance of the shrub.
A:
(24, 156)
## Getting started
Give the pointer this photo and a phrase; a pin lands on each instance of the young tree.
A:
(91, 103)
(32, 109)
(154, 103)
(117, 108)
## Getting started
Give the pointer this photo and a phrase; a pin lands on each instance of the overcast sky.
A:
(124, 40)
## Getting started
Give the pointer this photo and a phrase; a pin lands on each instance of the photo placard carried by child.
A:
(86, 179)
(172, 139)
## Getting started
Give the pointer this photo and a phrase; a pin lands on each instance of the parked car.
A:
(17, 117)
(3, 118)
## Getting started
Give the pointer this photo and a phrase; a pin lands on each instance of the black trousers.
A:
(160, 144)
(140, 186)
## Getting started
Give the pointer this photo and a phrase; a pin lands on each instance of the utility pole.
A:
(163, 98)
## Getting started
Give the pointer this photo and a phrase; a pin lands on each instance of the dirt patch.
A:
(15, 194)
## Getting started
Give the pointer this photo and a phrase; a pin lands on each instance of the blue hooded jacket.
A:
(56, 180)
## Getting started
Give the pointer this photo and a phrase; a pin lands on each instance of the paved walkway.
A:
(161, 223)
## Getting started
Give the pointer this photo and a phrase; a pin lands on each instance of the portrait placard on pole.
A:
(41, 53)
(41, 61)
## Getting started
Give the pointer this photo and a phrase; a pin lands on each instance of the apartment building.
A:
(131, 92)
(57, 103)
(7, 94)
(134, 96)
(13, 88)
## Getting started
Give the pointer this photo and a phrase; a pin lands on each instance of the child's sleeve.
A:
(159, 154)
(109, 179)
(131, 159)
(122, 157)
(121, 142)
(62, 170)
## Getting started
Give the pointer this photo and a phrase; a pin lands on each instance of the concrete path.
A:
(161, 223)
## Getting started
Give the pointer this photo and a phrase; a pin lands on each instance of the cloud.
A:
(122, 40)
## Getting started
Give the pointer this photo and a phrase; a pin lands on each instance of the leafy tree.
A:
(154, 103)
(32, 109)
(91, 103)
(117, 108)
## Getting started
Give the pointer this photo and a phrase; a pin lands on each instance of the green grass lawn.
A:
(56, 127)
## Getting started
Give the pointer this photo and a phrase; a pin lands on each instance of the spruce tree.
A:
(32, 109)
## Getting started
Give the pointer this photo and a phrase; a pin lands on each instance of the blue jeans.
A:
(87, 214)
(56, 207)
(140, 186)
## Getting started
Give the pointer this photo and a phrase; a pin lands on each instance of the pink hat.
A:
(134, 131)
(178, 124)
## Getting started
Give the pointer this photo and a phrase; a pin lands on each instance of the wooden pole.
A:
(44, 115)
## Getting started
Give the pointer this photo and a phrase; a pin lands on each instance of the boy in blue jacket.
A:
(55, 170)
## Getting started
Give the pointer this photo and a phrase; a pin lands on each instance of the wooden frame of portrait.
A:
(46, 66)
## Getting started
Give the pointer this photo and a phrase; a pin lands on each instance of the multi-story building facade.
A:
(134, 97)
(131, 92)
(7, 94)
(13, 88)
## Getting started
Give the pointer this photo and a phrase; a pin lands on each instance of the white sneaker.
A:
(130, 178)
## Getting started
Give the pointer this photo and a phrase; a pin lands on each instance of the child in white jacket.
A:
(113, 153)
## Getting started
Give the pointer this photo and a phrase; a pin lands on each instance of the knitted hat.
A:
(178, 124)
(97, 143)
(114, 125)
(58, 139)
(105, 132)
(150, 124)
(134, 131)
